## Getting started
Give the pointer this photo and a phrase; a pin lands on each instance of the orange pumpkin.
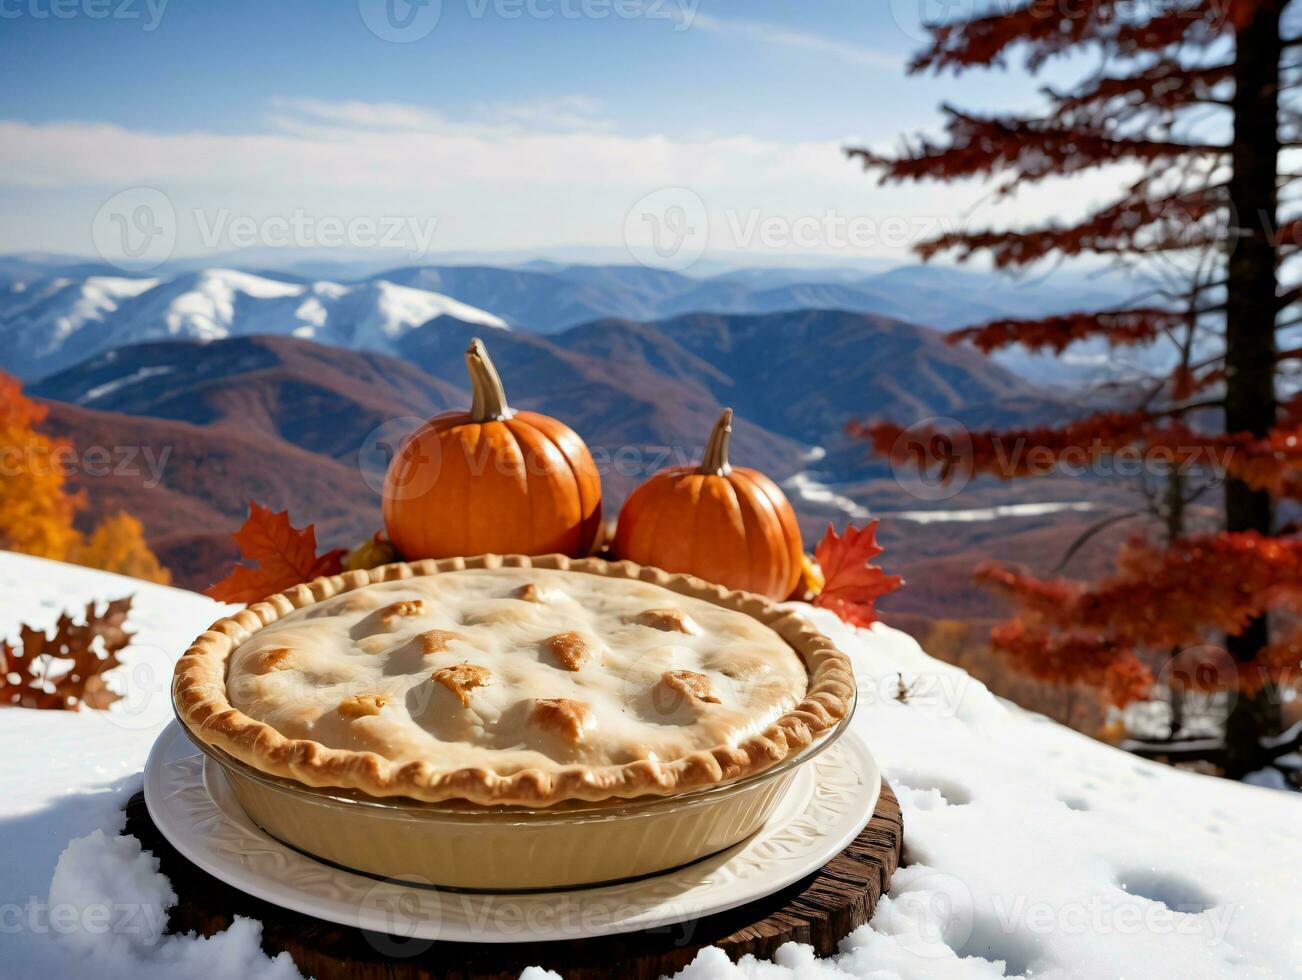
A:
(491, 481)
(727, 525)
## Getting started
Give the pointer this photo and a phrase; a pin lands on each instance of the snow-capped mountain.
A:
(51, 324)
(53, 316)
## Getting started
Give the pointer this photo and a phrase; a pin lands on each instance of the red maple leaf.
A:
(285, 556)
(853, 584)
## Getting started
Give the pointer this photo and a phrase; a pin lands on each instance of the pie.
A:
(512, 681)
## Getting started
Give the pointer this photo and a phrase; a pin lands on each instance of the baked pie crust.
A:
(512, 681)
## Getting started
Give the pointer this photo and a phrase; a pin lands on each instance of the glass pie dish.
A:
(512, 722)
(512, 848)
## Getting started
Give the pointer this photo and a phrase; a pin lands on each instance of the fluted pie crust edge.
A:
(200, 698)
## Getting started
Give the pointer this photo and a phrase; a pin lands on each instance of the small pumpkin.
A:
(725, 524)
(491, 480)
(810, 582)
(375, 551)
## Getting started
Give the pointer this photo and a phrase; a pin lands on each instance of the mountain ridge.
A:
(56, 323)
(52, 322)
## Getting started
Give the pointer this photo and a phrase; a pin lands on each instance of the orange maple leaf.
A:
(285, 556)
(65, 669)
(853, 584)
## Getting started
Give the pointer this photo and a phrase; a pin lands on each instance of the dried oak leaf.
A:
(285, 556)
(853, 585)
(66, 670)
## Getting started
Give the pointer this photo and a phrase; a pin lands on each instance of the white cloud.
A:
(353, 112)
(510, 176)
(352, 144)
(776, 34)
(569, 113)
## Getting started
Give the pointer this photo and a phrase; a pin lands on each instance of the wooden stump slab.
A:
(818, 910)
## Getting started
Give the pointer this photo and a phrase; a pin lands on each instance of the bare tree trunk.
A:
(1175, 490)
(1250, 330)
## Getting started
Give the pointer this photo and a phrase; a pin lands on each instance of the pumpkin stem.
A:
(488, 399)
(715, 462)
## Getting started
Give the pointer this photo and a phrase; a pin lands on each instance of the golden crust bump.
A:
(530, 592)
(204, 707)
(669, 620)
(400, 610)
(265, 661)
(461, 679)
(436, 641)
(564, 716)
(691, 685)
(362, 705)
(569, 650)
(354, 602)
(375, 645)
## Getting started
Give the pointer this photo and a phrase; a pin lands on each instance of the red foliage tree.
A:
(1191, 98)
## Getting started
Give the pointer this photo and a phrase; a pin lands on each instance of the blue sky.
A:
(507, 123)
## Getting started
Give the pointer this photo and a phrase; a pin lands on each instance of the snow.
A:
(56, 309)
(1030, 849)
(63, 321)
(809, 489)
(976, 514)
(218, 303)
(117, 384)
(380, 312)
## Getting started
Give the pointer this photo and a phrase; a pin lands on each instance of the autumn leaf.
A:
(65, 670)
(285, 556)
(853, 583)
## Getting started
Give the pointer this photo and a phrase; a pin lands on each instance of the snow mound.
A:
(1030, 850)
(108, 905)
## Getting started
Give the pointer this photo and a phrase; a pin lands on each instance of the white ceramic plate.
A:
(190, 801)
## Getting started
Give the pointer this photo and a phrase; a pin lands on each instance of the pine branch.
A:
(1166, 85)
(1027, 149)
(1134, 225)
(1129, 327)
(1047, 29)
